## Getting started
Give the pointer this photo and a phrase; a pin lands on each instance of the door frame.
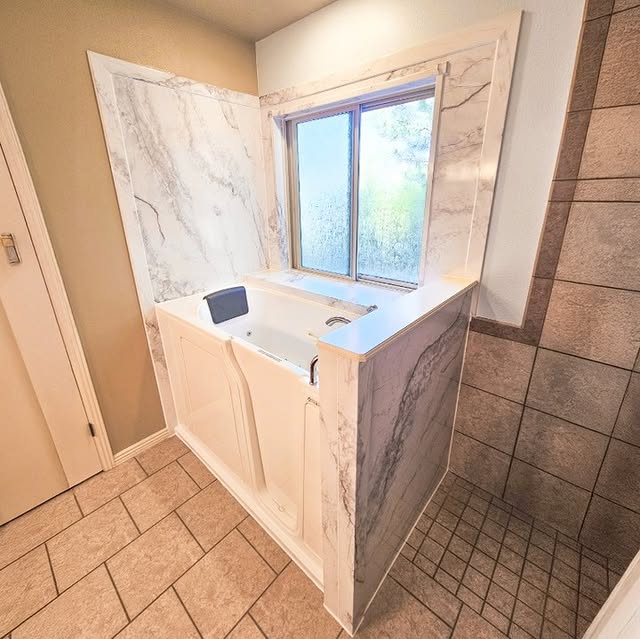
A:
(34, 219)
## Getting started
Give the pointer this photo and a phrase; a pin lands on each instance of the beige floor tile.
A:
(220, 589)
(100, 489)
(33, 528)
(77, 550)
(25, 587)
(292, 607)
(165, 618)
(264, 544)
(395, 613)
(162, 454)
(211, 514)
(89, 610)
(157, 496)
(246, 629)
(151, 563)
(198, 471)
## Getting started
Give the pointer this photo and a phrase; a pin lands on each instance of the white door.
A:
(45, 440)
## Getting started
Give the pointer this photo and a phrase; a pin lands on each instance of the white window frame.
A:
(355, 107)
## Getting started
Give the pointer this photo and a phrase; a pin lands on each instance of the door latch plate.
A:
(10, 248)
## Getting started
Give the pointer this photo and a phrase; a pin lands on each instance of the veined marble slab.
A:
(459, 143)
(187, 163)
(388, 421)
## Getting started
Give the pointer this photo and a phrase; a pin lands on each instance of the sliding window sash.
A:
(355, 108)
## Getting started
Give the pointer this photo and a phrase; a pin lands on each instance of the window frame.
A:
(356, 107)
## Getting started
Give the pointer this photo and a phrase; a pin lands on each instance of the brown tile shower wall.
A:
(549, 414)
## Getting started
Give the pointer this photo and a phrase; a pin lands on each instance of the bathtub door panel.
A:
(312, 499)
(210, 412)
(278, 409)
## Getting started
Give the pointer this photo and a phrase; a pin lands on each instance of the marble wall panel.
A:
(187, 164)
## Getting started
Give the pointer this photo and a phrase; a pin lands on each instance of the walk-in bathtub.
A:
(244, 404)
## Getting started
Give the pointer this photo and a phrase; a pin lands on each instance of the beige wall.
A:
(45, 74)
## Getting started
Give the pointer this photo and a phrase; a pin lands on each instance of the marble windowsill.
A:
(355, 297)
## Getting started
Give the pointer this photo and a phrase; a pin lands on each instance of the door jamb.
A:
(32, 212)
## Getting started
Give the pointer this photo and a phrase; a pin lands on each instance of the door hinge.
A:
(92, 430)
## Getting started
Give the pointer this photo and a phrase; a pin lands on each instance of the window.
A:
(358, 178)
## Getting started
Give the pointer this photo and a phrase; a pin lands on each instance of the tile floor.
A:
(157, 548)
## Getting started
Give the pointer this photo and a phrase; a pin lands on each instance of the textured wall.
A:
(45, 75)
(549, 414)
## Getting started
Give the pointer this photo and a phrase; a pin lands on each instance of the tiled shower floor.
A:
(157, 548)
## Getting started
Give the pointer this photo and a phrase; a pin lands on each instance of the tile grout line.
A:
(520, 576)
(537, 410)
(214, 478)
(48, 539)
(468, 563)
(435, 614)
(578, 589)
(184, 523)
(522, 579)
(171, 587)
(453, 533)
(83, 515)
(605, 286)
(600, 201)
(75, 497)
(237, 527)
(141, 468)
(453, 629)
(594, 178)
(172, 584)
(33, 614)
(426, 534)
(53, 574)
(438, 566)
(113, 583)
(198, 491)
(547, 594)
(129, 515)
(262, 632)
(604, 457)
(526, 394)
(498, 563)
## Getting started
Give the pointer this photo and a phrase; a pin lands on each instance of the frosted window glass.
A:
(324, 175)
(394, 157)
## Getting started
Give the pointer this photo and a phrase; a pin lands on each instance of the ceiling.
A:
(250, 19)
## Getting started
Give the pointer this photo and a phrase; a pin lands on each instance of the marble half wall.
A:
(388, 444)
(188, 168)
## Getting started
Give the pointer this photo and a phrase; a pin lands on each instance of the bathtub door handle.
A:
(313, 375)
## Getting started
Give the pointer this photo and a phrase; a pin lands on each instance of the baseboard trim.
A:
(138, 447)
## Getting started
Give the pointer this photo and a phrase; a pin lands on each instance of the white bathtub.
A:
(245, 406)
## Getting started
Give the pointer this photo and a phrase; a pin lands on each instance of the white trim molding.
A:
(53, 279)
(140, 446)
